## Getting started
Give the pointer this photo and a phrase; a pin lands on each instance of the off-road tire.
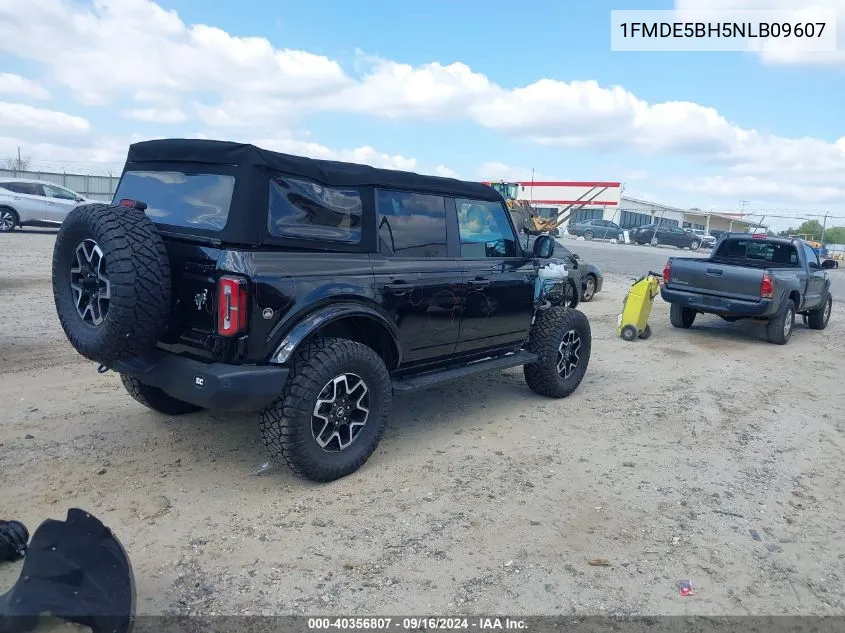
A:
(286, 424)
(156, 399)
(139, 273)
(588, 297)
(572, 294)
(546, 336)
(12, 216)
(681, 317)
(776, 325)
(818, 319)
(646, 333)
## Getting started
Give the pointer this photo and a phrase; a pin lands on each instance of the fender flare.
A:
(325, 315)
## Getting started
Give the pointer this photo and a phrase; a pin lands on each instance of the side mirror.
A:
(830, 263)
(544, 247)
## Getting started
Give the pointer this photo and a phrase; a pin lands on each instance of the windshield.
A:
(180, 199)
(508, 190)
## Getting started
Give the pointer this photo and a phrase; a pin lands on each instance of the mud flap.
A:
(75, 570)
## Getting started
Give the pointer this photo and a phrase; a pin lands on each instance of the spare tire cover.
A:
(111, 282)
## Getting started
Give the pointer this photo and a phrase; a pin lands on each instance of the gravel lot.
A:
(483, 498)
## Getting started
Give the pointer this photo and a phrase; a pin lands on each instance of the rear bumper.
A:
(763, 308)
(216, 386)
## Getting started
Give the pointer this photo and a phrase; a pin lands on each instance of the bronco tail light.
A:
(667, 272)
(767, 286)
(231, 305)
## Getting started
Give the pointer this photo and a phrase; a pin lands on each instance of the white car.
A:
(707, 241)
(26, 202)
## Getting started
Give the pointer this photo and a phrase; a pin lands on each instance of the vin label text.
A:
(771, 32)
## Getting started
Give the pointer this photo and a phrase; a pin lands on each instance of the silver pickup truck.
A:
(751, 277)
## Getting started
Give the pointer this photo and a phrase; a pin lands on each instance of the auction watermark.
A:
(802, 30)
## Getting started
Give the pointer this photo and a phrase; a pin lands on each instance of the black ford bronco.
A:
(227, 277)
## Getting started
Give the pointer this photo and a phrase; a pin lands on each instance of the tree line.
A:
(813, 230)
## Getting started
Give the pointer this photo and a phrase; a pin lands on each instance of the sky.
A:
(472, 89)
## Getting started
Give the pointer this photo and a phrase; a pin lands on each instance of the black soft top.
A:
(325, 172)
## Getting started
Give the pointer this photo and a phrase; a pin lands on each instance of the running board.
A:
(431, 379)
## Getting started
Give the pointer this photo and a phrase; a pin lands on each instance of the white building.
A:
(632, 213)
(602, 200)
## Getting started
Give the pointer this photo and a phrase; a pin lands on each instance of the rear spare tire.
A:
(111, 282)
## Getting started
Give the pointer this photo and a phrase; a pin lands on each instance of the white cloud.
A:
(86, 49)
(782, 51)
(365, 155)
(245, 86)
(19, 115)
(442, 170)
(18, 86)
(153, 115)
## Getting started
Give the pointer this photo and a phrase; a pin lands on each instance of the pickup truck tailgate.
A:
(712, 277)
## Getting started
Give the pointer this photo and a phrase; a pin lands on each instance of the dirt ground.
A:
(707, 455)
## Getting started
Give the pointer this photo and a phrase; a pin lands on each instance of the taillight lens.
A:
(231, 305)
(767, 286)
(667, 272)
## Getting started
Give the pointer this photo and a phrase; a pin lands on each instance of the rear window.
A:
(762, 251)
(199, 201)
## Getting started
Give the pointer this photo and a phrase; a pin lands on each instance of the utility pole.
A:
(824, 227)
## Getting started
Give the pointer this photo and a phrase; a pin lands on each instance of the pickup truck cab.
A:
(751, 276)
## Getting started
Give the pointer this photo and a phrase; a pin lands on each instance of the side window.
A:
(812, 256)
(484, 229)
(26, 188)
(56, 192)
(411, 224)
(305, 210)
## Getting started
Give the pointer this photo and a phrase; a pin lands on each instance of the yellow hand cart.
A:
(633, 321)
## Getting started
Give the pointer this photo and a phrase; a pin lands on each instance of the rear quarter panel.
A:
(288, 286)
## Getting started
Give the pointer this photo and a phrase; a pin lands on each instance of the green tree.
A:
(835, 235)
(812, 229)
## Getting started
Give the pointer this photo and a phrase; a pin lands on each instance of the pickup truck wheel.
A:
(681, 317)
(156, 399)
(111, 282)
(333, 410)
(817, 319)
(779, 328)
(562, 339)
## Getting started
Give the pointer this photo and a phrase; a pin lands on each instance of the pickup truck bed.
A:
(750, 276)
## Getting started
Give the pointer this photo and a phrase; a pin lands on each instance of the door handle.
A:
(714, 272)
(399, 288)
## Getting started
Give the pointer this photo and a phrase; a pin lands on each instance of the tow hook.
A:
(102, 369)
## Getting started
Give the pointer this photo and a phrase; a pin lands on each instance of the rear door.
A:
(498, 298)
(28, 200)
(419, 282)
(190, 208)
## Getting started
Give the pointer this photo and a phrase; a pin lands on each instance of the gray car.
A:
(25, 202)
